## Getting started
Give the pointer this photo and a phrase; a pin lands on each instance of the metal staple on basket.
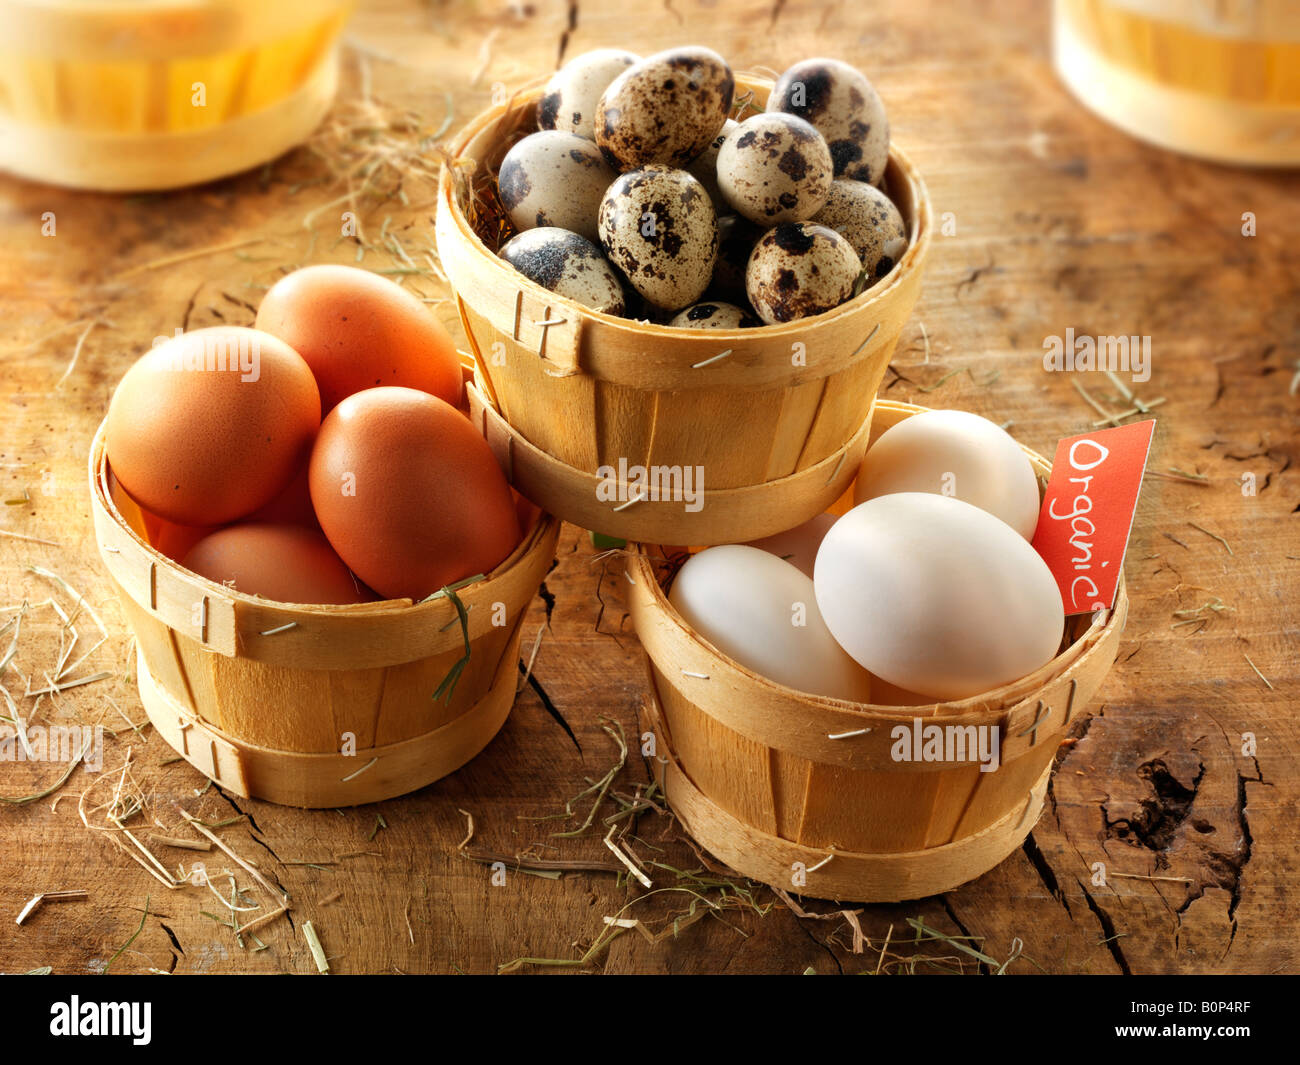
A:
(1041, 713)
(710, 361)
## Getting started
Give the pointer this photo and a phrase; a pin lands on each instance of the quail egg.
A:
(569, 100)
(736, 239)
(664, 109)
(800, 269)
(868, 219)
(715, 316)
(845, 108)
(556, 179)
(705, 166)
(658, 227)
(774, 168)
(569, 265)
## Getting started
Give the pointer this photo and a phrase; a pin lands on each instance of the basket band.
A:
(830, 873)
(726, 515)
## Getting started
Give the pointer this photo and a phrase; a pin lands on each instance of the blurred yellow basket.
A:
(1219, 79)
(122, 95)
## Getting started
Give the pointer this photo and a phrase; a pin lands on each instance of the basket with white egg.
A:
(135, 95)
(315, 706)
(772, 419)
(807, 792)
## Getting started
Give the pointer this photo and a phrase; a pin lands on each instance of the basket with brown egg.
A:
(326, 610)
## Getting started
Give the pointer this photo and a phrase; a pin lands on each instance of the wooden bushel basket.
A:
(264, 697)
(777, 418)
(789, 789)
(122, 95)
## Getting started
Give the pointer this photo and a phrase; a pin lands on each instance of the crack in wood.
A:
(961, 927)
(570, 26)
(1110, 937)
(1044, 870)
(175, 942)
(549, 705)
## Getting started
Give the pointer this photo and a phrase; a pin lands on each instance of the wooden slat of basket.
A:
(883, 812)
(800, 406)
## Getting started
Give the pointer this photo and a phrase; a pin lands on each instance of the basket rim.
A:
(912, 261)
(441, 608)
(995, 701)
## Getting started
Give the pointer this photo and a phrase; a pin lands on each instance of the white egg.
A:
(885, 694)
(937, 596)
(762, 612)
(955, 453)
(799, 545)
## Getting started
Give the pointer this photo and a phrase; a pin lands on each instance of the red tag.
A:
(1087, 512)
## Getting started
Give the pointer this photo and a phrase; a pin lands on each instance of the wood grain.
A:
(1047, 219)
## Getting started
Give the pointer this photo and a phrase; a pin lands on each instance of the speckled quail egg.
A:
(736, 239)
(567, 264)
(845, 108)
(569, 100)
(658, 227)
(774, 168)
(800, 269)
(868, 219)
(715, 316)
(664, 109)
(556, 179)
(705, 166)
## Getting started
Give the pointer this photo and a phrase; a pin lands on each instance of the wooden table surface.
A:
(1184, 782)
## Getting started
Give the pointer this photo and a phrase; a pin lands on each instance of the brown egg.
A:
(286, 563)
(175, 541)
(167, 537)
(528, 513)
(211, 425)
(292, 506)
(409, 494)
(358, 330)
